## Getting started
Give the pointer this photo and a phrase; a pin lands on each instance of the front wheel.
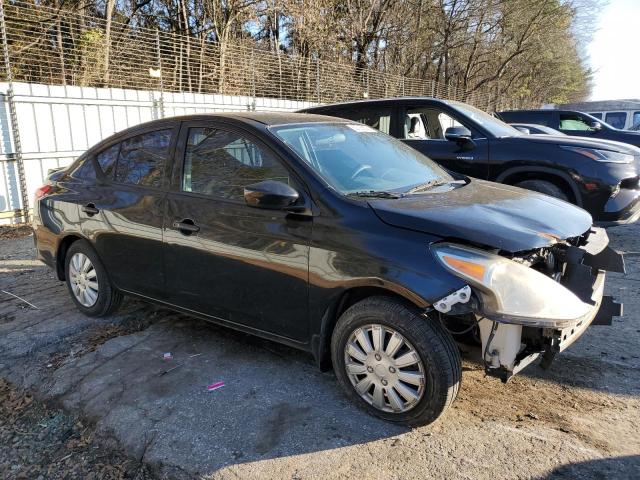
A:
(542, 186)
(394, 362)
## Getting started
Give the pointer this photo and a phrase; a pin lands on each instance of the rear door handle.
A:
(186, 226)
(90, 209)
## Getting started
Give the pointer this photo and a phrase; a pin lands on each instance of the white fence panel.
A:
(57, 123)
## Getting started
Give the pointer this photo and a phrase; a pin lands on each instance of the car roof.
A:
(265, 118)
(376, 101)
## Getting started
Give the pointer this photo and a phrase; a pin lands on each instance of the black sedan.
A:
(599, 176)
(332, 237)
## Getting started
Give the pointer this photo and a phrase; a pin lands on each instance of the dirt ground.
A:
(127, 412)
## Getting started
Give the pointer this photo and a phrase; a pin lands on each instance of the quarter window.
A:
(221, 163)
(107, 160)
(141, 159)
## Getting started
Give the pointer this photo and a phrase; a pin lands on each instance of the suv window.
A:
(141, 158)
(221, 163)
(378, 118)
(597, 115)
(428, 123)
(636, 118)
(616, 119)
(573, 122)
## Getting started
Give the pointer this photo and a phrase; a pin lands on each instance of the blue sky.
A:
(614, 52)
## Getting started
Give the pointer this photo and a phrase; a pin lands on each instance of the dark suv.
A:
(572, 123)
(332, 237)
(600, 177)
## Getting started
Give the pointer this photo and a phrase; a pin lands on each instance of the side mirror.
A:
(270, 194)
(461, 136)
(596, 126)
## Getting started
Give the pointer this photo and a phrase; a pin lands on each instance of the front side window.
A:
(616, 119)
(221, 163)
(429, 123)
(141, 159)
(356, 158)
(494, 126)
(573, 122)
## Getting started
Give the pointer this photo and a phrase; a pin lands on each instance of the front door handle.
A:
(186, 226)
(90, 209)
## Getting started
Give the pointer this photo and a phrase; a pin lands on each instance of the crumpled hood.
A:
(574, 141)
(486, 213)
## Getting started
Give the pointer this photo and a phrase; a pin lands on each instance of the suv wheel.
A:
(394, 362)
(88, 283)
(542, 186)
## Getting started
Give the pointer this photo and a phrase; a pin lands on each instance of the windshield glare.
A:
(352, 157)
(496, 127)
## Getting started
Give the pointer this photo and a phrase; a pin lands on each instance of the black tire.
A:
(434, 345)
(109, 299)
(542, 186)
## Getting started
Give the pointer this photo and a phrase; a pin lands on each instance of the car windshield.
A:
(494, 126)
(354, 158)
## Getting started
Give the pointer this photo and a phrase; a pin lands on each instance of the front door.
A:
(237, 263)
(424, 129)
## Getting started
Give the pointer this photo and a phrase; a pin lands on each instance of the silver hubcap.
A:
(83, 279)
(384, 368)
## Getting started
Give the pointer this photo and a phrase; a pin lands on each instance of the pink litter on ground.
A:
(215, 386)
(167, 356)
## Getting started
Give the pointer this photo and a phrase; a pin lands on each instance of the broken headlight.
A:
(511, 292)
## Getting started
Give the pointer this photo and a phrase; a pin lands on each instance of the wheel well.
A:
(558, 181)
(348, 298)
(62, 253)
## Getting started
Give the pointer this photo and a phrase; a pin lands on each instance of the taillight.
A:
(42, 191)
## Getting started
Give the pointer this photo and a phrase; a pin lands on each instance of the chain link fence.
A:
(59, 47)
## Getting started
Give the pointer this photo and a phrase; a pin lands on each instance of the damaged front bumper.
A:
(509, 344)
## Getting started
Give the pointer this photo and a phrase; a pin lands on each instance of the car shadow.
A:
(619, 468)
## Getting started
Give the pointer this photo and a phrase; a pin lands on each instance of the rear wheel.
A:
(88, 283)
(542, 186)
(394, 362)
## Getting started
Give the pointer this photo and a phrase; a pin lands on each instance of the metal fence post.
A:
(13, 118)
(318, 79)
(159, 54)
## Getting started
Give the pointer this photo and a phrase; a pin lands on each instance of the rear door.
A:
(123, 213)
(223, 258)
(424, 127)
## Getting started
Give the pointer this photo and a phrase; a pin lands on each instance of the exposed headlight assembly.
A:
(511, 292)
(605, 156)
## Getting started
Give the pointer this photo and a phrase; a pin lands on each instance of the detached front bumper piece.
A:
(508, 348)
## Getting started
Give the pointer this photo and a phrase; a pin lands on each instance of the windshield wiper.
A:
(374, 194)
(432, 184)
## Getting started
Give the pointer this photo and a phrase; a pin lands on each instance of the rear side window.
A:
(141, 159)
(378, 118)
(107, 160)
(596, 115)
(221, 163)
